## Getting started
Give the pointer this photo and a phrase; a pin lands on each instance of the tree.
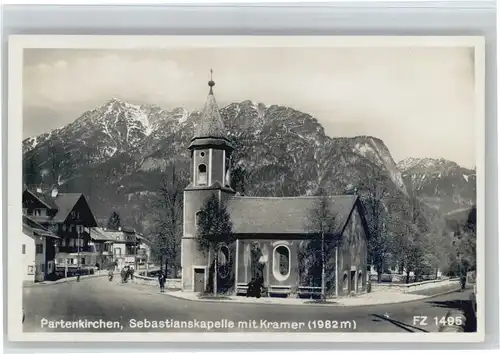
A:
(374, 191)
(214, 231)
(411, 245)
(114, 222)
(466, 242)
(322, 223)
(167, 219)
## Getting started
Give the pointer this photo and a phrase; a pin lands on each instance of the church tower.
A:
(210, 165)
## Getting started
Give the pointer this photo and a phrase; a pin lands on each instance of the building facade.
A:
(68, 216)
(274, 239)
(124, 246)
(35, 240)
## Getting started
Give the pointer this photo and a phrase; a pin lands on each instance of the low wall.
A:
(169, 284)
(408, 288)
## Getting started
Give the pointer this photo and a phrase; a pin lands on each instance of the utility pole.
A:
(336, 270)
(135, 251)
(78, 253)
(323, 295)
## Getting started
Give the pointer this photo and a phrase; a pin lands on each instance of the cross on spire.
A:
(211, 83)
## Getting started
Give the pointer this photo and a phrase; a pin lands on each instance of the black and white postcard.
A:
(246, 188)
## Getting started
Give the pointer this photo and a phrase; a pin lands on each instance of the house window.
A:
(24, 249)
(118, 251)
(39, 248)
(281, 262)
(224, 262)
(37, 212)
(345, 283)
(31, 270)
(202, 174)
(83, 260)
(64, 227)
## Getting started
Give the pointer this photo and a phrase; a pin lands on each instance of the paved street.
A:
(97, 299)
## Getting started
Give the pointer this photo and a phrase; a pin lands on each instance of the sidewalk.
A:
(360, 300)
(99, 273)
(366, 299)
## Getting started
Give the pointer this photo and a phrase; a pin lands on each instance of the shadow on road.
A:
(402, 325)
(465, 306)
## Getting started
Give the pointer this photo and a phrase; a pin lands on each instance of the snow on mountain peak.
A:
(427, 163)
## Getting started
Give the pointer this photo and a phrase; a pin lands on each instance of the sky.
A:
(418, 100)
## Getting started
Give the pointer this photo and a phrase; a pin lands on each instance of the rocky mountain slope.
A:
(440, 183)
(117, 153)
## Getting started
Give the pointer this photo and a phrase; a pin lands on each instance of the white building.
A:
(34, 241)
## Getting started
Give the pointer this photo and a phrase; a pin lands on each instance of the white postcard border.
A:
(18, 43)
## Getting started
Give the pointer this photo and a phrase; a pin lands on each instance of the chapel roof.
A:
(287, 215)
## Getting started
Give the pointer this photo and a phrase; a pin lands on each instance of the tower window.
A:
(202, 174)
(202, 154)
(198, 218)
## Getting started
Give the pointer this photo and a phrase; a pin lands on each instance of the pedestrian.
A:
(463, 281)
(78, 271)
(123, 275)
(161, 281)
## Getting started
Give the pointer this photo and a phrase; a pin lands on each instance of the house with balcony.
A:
(69, 217)
(128, 246)
(102, 242)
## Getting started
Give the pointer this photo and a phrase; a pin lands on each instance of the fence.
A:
(408, 288)
(401, 278)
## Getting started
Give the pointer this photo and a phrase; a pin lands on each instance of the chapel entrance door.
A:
(199, 280)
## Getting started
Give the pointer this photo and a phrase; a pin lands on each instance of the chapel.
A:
(273, 238)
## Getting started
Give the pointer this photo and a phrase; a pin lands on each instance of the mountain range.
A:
(117, 153)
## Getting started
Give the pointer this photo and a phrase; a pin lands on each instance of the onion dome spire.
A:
(210, 129)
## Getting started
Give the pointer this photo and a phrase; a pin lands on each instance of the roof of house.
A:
(120, 236)
(63, 203)
(289, 215)
(36, 228)
(99, 234)
(43, 198)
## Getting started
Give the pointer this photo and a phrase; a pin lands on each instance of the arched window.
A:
(198, 219)
(281, 262)
(224, 260)
(345, 283)
(202, 174)
(360, 281)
